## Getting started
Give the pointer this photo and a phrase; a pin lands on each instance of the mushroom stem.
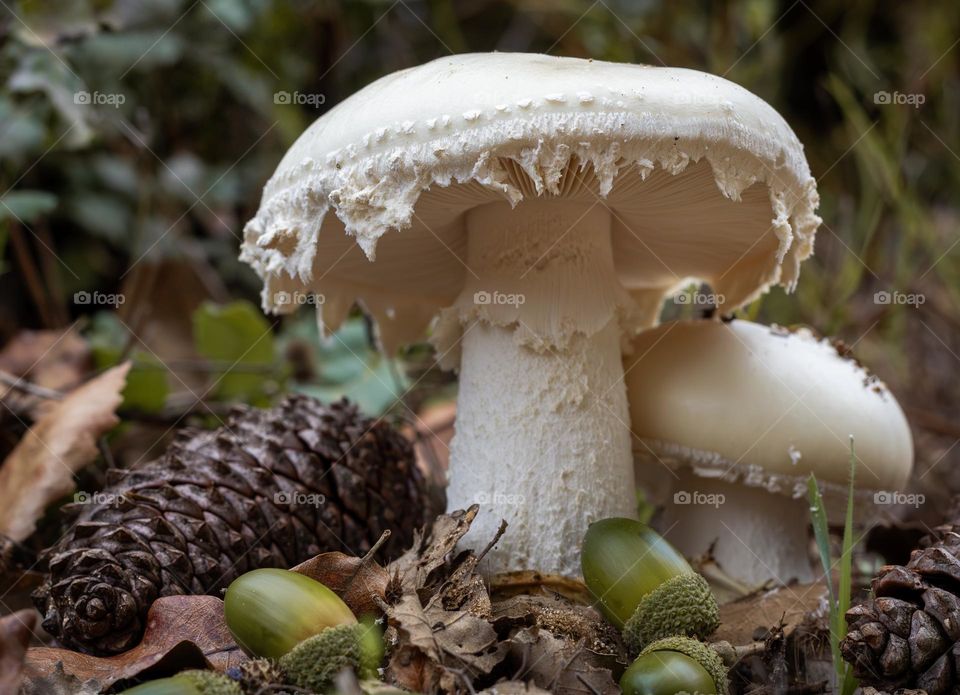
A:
(755, 535)
(542, 436)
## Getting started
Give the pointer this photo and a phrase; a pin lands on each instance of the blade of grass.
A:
(844, 672)
(821, 531)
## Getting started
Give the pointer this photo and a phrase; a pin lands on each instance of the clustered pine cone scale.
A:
(271, 488)
(907, 635)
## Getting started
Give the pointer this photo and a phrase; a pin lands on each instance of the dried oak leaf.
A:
(560, 666)
(64, 439)
(182, 632)
(59, 682)
(413, 570)
(438, 612)
(359, 581)
(514, 688)
(567, 620)
(15, 632)
(741, 622)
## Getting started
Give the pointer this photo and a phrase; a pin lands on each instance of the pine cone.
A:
(271, 488)
(908, 634)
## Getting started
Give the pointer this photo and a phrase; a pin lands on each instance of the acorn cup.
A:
(644, 586)
(301, 626)
(675, 665)
(188, 683)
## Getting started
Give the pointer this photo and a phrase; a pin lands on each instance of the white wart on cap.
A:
(744, 413)
(542, 207)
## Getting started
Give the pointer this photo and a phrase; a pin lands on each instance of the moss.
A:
(682, 605)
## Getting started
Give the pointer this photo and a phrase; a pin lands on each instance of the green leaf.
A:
(349, 366)
(26, 205)
(147, 387)
(239, 342)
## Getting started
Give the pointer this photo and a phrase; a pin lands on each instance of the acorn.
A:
(270, 611)
(314, 663)
(188, 683)
(643, 585)
(675, 665)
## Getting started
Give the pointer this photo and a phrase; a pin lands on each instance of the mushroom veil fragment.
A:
(537, 210)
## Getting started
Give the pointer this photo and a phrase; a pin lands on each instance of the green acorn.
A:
(314, 663)
(675, 665)
(189, 683)
(644, 586)
(270, 611)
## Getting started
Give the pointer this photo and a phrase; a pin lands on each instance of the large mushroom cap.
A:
(765, 406)
(703, 179)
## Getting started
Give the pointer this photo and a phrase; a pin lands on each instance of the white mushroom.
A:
(744, 413)
(542, 207)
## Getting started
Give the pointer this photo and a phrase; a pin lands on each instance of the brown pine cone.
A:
(908, 634)
(271, 488)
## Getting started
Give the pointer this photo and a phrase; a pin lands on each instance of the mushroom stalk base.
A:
(756, 535)
(542, 436)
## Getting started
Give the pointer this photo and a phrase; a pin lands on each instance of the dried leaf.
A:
(742, 620)
(458, 644)
(40, 469)
(557, 665)
(182, 632)
(52, 359)
(15, 632)
(514, 688)
(566, 620)
(59, 682)
(359, 581)
(430, 552)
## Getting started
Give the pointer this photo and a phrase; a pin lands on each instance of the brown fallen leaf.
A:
(438, 613)
(565, 619)
(359, 581)
(182, 632)
(559, 666)
(431, 551)
(64, 439)
(15, 632)
(508, 584)
(741, 622)
(514, 688)
(51, 359)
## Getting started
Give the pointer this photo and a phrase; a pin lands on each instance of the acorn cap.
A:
(314, 663)
(682, 605)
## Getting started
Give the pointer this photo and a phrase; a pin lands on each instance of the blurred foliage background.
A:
(135, 136)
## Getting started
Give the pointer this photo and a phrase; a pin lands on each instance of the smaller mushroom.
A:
(741, 414)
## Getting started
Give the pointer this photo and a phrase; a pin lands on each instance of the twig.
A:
(21, 384)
